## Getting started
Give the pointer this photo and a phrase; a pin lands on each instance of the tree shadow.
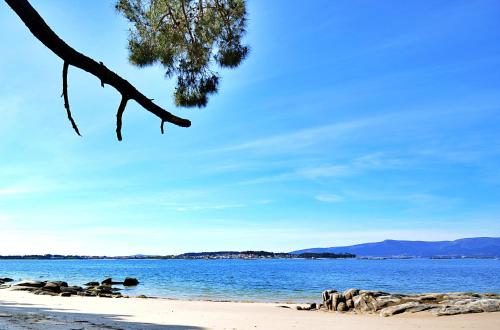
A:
(20, 315)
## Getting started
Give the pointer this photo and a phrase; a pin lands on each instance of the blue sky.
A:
(351, 121)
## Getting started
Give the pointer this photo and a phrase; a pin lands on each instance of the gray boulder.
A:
(45, 293)
(24, 288)
(342, 307)
(335, 299)
(326, 294)
(397, 309)
(365, 303)
(58, 283)
(386, 301)
(458, 309)
(489, 305)
(52, 286)
(374, 293)
(72, 289)
(349, 293)
(307, 307)
(32, 284)
(467, 306)
(422, 307)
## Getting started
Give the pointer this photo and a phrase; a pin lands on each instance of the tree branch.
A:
(119, 114)
(65, 95)
(70, 56)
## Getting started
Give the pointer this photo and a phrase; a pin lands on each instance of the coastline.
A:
(21, 309)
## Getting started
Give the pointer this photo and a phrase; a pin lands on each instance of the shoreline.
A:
(22, 309)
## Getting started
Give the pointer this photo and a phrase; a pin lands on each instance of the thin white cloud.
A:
(204, 207)
(329, 198)
(14, 191)
(325, 171)
(299, 139)
(368, 162)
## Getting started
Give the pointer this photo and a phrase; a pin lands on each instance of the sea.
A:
(267, 280)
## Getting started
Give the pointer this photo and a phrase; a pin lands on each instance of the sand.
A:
(22, 310)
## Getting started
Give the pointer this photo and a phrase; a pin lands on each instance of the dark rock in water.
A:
(92, 284)
(107, 289)
(32, 284)
(130, 281)
(5, 280)
(109, 281)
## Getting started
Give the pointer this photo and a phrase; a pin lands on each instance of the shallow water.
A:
(293, 280)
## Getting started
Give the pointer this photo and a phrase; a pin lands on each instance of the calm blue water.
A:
(267, 280)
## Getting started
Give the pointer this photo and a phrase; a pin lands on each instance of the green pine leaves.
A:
(190, 38)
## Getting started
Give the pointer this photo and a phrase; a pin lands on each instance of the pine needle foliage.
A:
(190, 38)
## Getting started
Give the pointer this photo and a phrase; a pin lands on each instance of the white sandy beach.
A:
(22, 310)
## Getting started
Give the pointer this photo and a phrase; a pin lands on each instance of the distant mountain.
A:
(468, 247)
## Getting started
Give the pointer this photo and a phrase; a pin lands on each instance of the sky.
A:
(350, 122)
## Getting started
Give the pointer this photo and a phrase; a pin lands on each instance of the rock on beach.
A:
(387, 304)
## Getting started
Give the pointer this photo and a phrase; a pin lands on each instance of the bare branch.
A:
(44, 33)
(119, 114)
(65, 95)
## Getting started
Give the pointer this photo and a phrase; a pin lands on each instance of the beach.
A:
(21, 310)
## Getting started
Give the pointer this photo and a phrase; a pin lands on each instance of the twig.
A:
(119, 114)
(65, 95)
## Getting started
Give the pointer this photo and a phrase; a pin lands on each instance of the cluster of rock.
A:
(5, 280)
(386, 304)
(61, 288)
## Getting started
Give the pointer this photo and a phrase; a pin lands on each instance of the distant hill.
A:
(468, 247)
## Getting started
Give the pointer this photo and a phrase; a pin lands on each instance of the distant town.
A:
(196, 255)
(464, 248)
